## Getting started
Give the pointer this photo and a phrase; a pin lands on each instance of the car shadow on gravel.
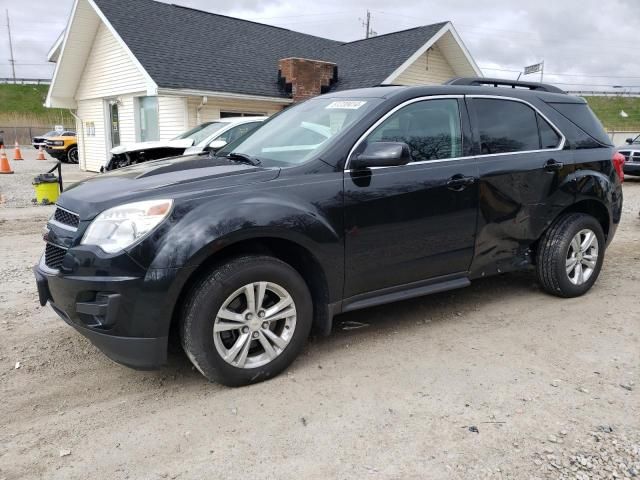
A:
(369, 323)
(440, 307)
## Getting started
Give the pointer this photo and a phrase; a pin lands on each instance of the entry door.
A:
(417, 221)
(114, 123)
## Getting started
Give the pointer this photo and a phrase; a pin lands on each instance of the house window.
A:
(90, 129)
(242, 114)
(148, 129)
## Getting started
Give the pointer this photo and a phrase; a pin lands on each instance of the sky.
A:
(585, 44)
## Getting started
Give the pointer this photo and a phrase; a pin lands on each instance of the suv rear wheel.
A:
(570, 255)
(247, 320)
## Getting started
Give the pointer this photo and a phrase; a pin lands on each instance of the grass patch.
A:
(22, 106)
(608, 109)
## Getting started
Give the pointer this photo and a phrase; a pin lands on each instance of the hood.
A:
(166, 178)
(58, 137)
(132, 147)
(635, 147)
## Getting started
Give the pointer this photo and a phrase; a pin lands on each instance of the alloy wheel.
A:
(254, 325)
(582, 256)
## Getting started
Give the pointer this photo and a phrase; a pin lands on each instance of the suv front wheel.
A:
(72, 154)
(570, 255)
(247, 320)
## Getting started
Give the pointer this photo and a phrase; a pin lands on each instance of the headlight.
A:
(119, 227)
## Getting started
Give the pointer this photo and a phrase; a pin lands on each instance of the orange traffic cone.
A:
(17, 155)
(4, 162)
(40, 154)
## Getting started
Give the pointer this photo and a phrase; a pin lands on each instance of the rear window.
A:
(582, 116)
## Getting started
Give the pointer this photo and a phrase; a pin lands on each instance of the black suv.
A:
(345, 201)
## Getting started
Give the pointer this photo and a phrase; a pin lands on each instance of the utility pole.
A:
(367, 24)
(11, 60)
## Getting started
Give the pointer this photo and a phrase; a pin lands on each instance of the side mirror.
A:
(629, 141)
(216, 145)
(382, 154)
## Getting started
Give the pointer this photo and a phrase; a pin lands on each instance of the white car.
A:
(206, 137)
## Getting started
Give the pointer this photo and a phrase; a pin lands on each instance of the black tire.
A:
(208, 296)
(72, 155)
(553, 250)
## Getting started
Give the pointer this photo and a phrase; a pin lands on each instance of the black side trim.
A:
(501, 82)
(404, 292)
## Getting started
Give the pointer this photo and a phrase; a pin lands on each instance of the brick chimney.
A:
(304, 78)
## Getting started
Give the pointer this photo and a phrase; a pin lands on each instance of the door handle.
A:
(459, 182)
(553, 166)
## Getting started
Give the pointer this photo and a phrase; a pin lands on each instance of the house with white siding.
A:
(146, 70)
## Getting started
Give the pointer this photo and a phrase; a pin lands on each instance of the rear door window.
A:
(549, 138)
(506, 126)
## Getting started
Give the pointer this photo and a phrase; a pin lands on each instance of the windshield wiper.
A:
(243, 157)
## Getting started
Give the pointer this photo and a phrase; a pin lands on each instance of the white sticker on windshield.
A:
(347, 104)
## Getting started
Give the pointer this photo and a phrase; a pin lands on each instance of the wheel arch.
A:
(593, 207)
(590, 206)
(293, 253)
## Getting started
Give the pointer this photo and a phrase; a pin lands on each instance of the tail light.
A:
(618, 164)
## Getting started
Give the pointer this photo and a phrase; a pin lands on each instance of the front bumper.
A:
(632, 168)
(56, 152)
(127, 318)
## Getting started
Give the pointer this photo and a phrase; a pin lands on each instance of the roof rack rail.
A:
(500, 82)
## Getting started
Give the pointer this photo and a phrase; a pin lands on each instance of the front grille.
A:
(53, 256)
(66, 218)
(626, 155)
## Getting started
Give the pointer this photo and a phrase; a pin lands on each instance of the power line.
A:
(28, 64)
(562, 74)
(521, 33)
(304, 15)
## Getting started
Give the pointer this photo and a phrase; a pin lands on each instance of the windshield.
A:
(201, 132)
(302, 131)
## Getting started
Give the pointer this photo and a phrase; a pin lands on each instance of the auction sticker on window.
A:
(347, 104)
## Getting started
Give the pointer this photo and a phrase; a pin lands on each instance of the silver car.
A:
(631, 153)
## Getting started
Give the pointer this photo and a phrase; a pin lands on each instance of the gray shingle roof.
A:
(185, 48)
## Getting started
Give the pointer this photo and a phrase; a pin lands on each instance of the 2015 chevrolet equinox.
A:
(345, 201)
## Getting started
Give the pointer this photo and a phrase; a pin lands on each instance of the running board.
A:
(404, 292)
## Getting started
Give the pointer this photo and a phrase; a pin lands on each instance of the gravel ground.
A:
(16, 189)
(495, 381)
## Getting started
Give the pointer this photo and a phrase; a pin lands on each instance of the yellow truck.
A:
(63, 147)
